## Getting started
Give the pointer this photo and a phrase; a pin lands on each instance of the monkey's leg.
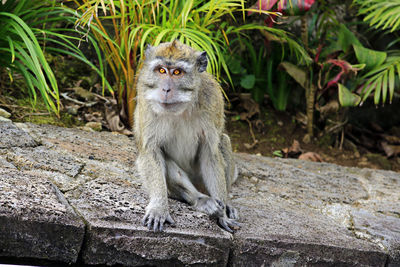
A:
(230, 171)
(213, 174)
(151, 167)
(180, 187)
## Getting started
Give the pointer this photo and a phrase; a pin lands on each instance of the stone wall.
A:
(69, 196)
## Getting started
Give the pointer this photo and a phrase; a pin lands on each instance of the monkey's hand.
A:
(211, 206)
(155, 218)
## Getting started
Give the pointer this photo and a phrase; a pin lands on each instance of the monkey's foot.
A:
(228, 224)
(155, 219)
(210, 206)
(231, 212)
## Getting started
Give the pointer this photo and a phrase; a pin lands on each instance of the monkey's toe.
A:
(228, 224)
(232, 213)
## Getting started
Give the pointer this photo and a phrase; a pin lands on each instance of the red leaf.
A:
(319, 50)
(265, 4)
(293, 7)
(335, 80)
(343, 64)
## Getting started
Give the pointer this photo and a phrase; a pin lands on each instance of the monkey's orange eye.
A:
(177, 72)
(161, 70)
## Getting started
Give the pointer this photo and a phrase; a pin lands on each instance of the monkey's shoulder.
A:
(210, 92)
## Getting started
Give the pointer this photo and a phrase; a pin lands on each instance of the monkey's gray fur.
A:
(179, 123)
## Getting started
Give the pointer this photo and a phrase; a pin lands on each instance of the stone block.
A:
(283, 218)
(36, 220)
(113, 208)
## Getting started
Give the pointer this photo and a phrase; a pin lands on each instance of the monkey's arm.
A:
(152, 169)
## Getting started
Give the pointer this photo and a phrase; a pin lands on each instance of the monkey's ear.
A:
(202, 61)
(147, 52)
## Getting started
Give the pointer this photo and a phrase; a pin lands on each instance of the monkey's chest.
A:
(182, 145)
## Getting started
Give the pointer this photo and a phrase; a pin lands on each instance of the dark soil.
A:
(281, 129)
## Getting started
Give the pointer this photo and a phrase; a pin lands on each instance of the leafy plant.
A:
(334, 47)
(380, 14)
(124, 27)
(26, 27)
(378, 76)
(248, 66)
(331, 69)
(21, 51)
(254, 69)
(295, 8)
(382, 66)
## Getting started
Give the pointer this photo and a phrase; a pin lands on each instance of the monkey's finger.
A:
(161, 226)
(156, 224)
(170, 220)
(144, 220)
(150, 222)
(223, 223)
(162, 222)
(232, 213)
(234, 224)
(220, 203)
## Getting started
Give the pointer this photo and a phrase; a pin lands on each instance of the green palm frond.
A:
(381, 14)
(381, 80)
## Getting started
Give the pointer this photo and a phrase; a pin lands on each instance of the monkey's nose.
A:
(166, 90)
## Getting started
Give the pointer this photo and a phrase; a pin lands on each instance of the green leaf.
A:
(378, 89)
(296, 73)
(236, 118)
(391, 83)
(277, 153)
(398, 73)
(346, 38)
(248, 81)
(347, 98)
(371, 58)
(369, 87)
(384, 87)
(234, 65)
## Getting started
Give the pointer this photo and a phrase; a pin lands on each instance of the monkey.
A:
(183, 152)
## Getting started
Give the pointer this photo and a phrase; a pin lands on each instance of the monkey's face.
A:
(172, 82)
(172, 90)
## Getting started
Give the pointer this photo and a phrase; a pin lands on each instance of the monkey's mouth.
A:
(170, 105)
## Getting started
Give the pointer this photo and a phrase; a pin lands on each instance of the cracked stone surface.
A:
(113, 208)
(41, 157)
(12, 136)
(293, 213)
(35, 219)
